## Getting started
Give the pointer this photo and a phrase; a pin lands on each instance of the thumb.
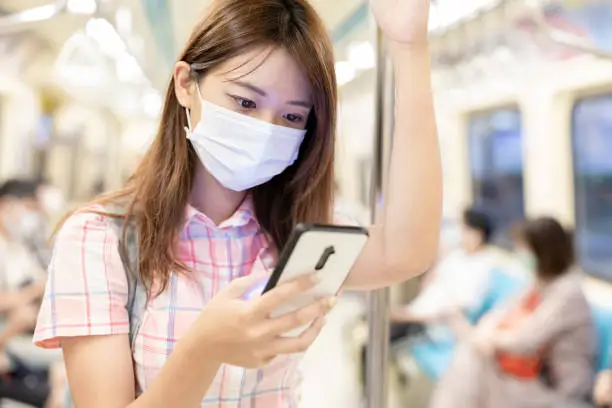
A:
(244, 286)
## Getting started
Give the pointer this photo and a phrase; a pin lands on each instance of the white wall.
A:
(19, 112)
(355, 131)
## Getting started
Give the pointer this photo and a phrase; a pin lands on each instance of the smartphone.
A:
(329, 250)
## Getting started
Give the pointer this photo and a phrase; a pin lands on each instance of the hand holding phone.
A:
(328, 250)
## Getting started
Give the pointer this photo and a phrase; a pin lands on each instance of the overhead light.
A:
(123, 19)
(152, 103)
(109, 40)
(80, 64)
(128, 69)
(345, 72)
(503, 55)
(361, 55)
(38, 14)
(82, 6)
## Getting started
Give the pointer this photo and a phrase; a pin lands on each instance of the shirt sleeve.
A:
(87, 289)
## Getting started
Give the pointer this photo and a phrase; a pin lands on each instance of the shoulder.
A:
(88, 241)
(83, 222)
(569, 285)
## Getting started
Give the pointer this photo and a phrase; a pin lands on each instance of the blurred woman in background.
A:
(536, 352)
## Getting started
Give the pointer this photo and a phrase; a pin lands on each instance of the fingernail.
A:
(316, 278)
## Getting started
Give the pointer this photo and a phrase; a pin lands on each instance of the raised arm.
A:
(405, 243)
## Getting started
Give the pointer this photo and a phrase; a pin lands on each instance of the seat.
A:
(602, 319)
(434, 356)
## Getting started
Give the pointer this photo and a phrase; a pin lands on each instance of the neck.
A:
(476, 250)
(212, 199)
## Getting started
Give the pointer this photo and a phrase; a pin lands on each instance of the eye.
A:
(244, 103)
(293, 118)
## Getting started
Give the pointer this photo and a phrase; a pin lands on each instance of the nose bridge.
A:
(269, 115)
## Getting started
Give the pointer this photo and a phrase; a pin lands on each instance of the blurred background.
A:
(523, 92)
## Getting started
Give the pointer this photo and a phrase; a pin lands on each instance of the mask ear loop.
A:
(188, 128)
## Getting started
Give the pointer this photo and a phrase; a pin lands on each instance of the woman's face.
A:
(471, 239)
(264, 83)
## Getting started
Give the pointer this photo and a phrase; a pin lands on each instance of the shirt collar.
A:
(243, 215)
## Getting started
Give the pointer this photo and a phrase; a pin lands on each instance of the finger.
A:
(292, 345)
(239, 286)
(299, 318)
(283, 293)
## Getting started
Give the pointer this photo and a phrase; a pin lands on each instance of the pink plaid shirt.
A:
(87, 295)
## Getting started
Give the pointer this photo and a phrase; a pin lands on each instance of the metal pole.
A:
(378, 344)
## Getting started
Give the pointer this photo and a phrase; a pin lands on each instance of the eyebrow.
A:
(263, 93)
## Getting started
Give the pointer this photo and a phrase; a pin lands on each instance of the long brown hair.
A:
(156, 195)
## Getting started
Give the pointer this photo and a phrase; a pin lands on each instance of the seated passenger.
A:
(458, 282)
(22, 284)
(537, 351)
(22, 279)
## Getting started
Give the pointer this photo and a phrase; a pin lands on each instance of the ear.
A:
(184, 86)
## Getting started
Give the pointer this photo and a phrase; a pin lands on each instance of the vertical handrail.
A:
(378, 316)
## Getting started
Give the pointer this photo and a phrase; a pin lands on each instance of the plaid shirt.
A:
(87, 294)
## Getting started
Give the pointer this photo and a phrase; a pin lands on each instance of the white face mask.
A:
(21, 223)
(239, 151)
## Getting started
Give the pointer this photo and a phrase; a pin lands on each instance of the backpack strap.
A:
(137, 293)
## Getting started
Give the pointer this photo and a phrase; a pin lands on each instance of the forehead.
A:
(269, 68)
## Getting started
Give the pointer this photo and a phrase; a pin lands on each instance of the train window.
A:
(496, 166)
(592, 149)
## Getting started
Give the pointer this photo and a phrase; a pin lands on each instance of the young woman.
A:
(539, 350)
(244, 152)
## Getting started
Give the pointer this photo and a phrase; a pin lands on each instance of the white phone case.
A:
(331, 251)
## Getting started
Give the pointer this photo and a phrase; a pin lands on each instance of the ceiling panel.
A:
(54, 31)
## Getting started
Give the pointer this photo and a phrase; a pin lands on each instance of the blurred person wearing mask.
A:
(459, 281)
(538, 350)
(22, 279)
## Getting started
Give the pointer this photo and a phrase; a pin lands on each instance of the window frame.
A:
(591, 96)
(501, 236)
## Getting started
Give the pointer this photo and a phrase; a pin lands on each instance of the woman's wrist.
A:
(405, 53)
(201, 345)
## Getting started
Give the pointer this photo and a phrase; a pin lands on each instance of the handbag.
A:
(520, 366)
